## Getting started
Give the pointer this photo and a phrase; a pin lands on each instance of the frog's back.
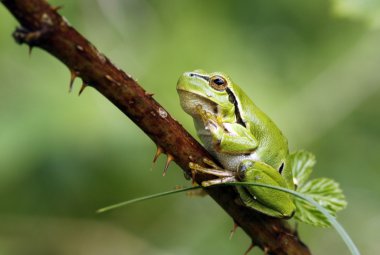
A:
(273, 145)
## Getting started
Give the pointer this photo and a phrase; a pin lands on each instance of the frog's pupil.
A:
(219, 81)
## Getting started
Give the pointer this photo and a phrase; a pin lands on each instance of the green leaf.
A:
(325, 192)
(302, 163)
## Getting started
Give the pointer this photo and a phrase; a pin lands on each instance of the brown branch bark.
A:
(43, 27)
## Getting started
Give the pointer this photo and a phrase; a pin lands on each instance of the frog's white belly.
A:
(231, 162)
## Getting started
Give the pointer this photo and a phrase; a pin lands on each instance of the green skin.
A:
(244, 139)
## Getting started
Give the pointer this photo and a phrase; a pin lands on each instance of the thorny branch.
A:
(43, 27)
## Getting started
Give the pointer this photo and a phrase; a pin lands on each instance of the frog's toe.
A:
(219, 180)
(212, 171)
(212, 125)
(199, 108)
(210, 163)
(194, 166)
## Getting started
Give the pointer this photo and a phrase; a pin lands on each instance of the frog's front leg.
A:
(230, 138)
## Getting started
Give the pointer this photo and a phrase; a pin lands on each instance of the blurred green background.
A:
(313, 66)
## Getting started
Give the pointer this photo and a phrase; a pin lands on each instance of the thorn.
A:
(57, 8)
(30, 50)
(249, 248)
(168, 160)
(148, 94)
(84, 85)
(73, 75)
(159, 151)
(266, 250)
(233, 230)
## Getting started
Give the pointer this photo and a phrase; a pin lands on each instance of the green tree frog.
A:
(248, 144)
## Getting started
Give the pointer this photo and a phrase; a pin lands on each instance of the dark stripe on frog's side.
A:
(232, 99)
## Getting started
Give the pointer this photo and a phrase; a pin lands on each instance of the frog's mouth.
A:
(189, 101)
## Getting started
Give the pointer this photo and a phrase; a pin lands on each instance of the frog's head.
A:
(210, 90)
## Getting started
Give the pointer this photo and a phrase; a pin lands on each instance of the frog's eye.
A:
(218, 82)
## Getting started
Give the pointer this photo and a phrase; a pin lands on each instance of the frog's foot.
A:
(208, 118)
(195, 167)
(224, 175)
(218, 181)
(203, 113)
(217, 172)
(211, 163)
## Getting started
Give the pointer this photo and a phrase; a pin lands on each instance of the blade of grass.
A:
(140, 199)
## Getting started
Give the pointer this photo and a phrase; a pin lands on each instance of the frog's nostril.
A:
(191, 74)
